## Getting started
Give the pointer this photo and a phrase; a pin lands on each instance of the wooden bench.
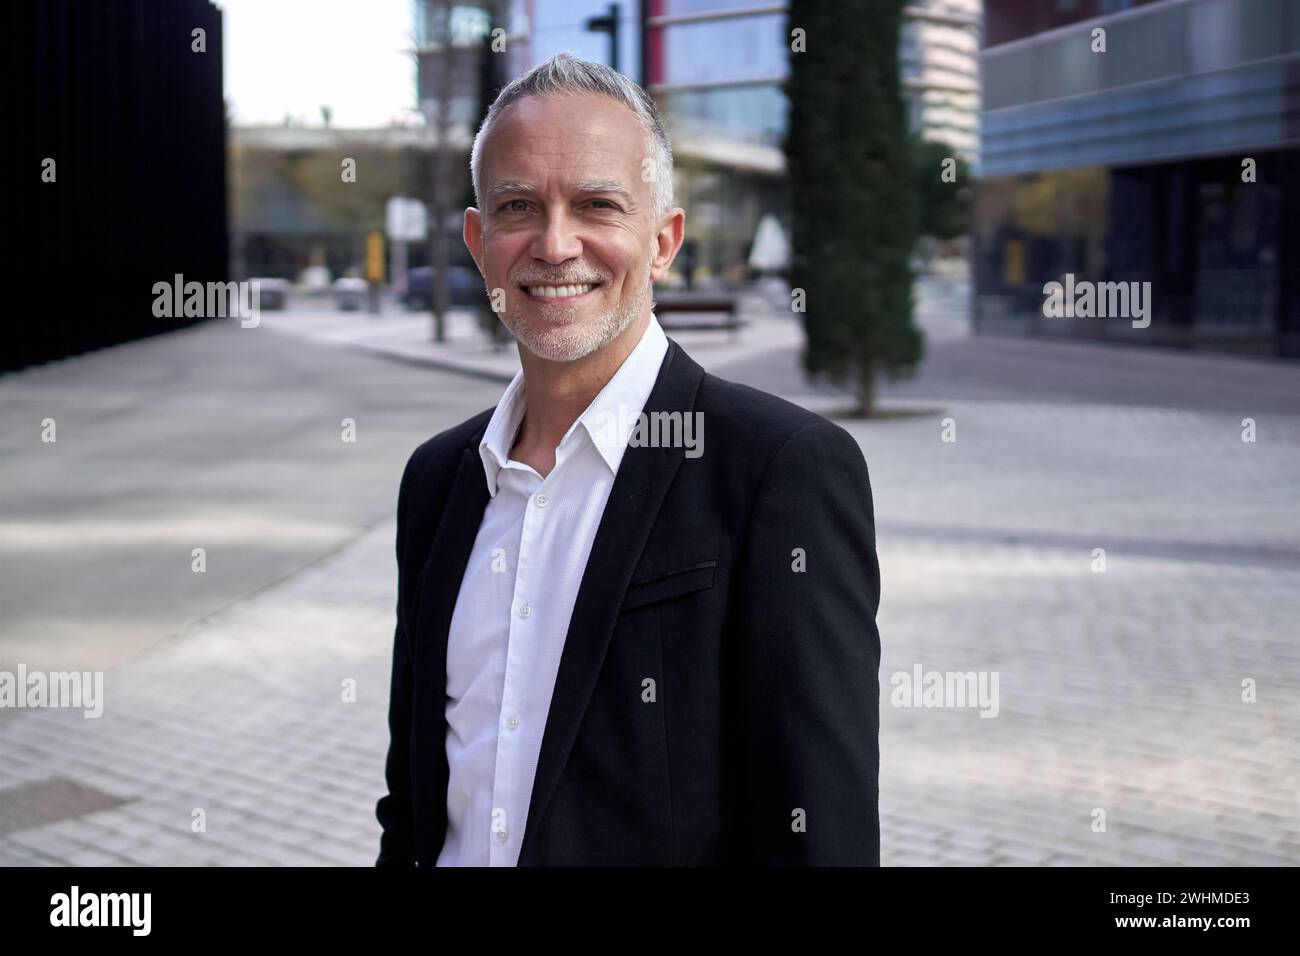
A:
(678, 311)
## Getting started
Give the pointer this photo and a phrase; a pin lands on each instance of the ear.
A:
(667, 241)
(473, 236)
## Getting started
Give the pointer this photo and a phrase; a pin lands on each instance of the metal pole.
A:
(613, 36)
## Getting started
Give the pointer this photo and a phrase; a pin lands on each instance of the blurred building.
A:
(292, 221)
(116, 174)
(716, 68)
(449, 38)
(1170, 157)
(939, 59)
(290, 218)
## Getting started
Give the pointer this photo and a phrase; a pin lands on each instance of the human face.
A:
(566, 232)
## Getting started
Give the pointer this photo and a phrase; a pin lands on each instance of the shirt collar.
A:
(608, 420)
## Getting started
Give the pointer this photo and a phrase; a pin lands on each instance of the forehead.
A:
(567, 135)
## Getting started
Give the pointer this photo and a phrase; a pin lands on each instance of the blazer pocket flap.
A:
(697, 577)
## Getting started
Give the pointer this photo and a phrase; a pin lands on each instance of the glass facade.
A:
(539, 29)
(747, 114)
(723, 208)
(1220, 253)
(1170, 159)
(715, 67)
(756, 50)
(1167, 41)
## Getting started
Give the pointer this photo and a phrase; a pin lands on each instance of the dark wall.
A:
(135, 122)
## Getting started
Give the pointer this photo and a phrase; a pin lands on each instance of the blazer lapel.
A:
(644, 476)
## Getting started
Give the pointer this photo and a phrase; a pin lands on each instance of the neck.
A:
(556, 393)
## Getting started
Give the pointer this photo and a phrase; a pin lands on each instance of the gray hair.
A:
(566, 73)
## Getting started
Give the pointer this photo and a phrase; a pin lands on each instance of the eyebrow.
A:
(606, 186)
(509, 186)
(514, 186)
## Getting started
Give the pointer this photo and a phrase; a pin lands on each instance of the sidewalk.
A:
(408, 337)
(241, 717)
(1120, 691)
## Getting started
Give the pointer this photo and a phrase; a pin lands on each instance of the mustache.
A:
(571, 277)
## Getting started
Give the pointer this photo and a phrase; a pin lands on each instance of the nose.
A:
(557, 240)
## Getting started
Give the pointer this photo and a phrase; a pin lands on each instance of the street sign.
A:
(406, 219)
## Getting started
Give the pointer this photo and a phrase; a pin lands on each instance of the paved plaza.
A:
(244, 708)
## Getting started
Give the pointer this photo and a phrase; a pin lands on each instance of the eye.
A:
(515, 205)
(607, 204)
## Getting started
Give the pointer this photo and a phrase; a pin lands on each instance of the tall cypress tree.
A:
(854, 208)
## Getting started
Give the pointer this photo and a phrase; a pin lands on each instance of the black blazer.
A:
(757, 742)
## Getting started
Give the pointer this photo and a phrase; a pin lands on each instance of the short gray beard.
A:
(570, 342)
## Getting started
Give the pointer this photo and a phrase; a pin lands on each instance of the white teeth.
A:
(559, 291)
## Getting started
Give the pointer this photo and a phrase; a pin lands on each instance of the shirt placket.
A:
(507, 828)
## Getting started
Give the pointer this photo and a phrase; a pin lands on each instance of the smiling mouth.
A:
(560, 292)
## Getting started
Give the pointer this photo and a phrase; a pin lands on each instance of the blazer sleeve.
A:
(397, 839)
(807, 658)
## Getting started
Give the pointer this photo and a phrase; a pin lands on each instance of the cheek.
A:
(500, 253)
(628, 258)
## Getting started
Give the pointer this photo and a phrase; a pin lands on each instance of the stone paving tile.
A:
(1157, 689)
(238, 715)
(1117, 691)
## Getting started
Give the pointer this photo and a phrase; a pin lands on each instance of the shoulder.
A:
(761, 428)
(426, 484)
(435, 460)
(788, 467)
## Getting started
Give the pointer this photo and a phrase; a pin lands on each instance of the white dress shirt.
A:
(512, 613)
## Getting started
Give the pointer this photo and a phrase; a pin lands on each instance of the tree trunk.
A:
(866, 386)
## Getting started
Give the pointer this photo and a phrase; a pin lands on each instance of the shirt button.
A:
(501, 836)
(541, 501)
(525, 610)
(512, 722)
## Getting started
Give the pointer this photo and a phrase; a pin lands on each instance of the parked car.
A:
(466, 288)
(272, 294)
(349, 293)
(315, 280)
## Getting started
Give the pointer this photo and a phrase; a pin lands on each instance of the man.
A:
(621, 639)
